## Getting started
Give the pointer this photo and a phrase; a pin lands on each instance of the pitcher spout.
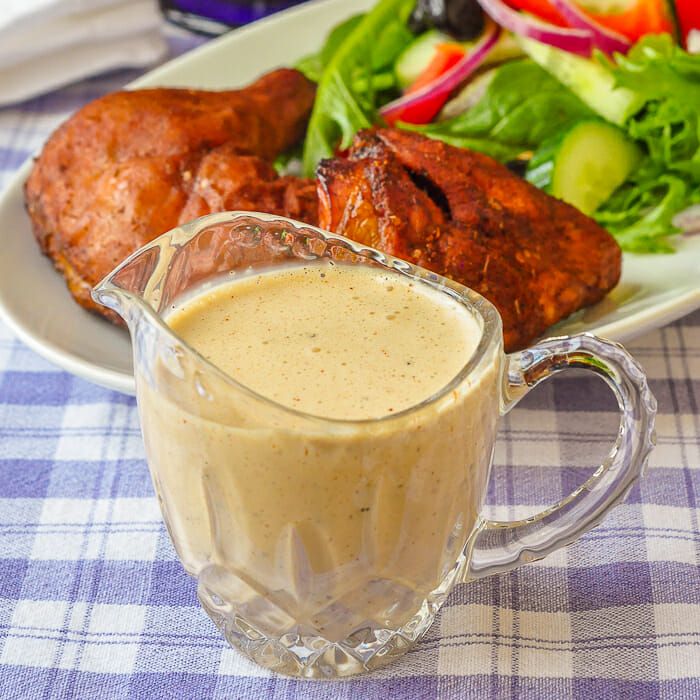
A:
(135, 284)
(114, 298)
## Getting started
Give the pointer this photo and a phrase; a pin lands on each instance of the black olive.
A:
(427, 14)
(463, 19)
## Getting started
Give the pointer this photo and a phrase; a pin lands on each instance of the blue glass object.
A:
(217, 16)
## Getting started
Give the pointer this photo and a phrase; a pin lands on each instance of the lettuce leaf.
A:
(657, 68)
(521, 107)
(312, 66)
(357, 64)
(640, 214)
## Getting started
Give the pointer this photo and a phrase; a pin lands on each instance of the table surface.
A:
(93, 602)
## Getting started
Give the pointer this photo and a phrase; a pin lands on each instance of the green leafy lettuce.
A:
(521, 107)
(354, 69)
(640, 214)
(312, 66)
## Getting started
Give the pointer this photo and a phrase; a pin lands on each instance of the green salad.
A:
(616, 134)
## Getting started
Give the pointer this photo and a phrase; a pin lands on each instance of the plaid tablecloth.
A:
(94, 604)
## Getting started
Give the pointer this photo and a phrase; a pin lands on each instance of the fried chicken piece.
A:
(465, 216)
(132, 165)
(226, 180)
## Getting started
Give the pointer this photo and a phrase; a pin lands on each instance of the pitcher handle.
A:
(501, 546)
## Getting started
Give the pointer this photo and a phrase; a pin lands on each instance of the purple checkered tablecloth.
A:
(94, 604)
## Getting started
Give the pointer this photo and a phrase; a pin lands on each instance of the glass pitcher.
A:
(322, 547)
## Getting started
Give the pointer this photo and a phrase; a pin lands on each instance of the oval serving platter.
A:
(35, 304)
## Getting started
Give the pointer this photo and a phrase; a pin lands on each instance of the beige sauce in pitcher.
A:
(303, 524)
(332, 340)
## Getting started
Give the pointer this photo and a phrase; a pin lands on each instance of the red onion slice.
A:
(447, 82)
(603, 38)
(578, 41)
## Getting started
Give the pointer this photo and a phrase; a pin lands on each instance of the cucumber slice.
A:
(417, 56)
(584, 165)
(587, 79)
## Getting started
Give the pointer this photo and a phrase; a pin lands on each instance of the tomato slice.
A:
(420, 113)
(539, 8)
(639, 18)
(642, 17)
(446, 56)
(688, 13)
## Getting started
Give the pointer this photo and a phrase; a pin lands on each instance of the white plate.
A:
(34, 302)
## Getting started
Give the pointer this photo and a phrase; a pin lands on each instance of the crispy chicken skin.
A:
(467, 217)
(131, 165)
(226, 180)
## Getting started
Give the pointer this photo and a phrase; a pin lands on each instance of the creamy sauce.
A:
(332, 340)
(294, 523)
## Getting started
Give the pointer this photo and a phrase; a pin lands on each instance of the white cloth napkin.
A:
(45, 44)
